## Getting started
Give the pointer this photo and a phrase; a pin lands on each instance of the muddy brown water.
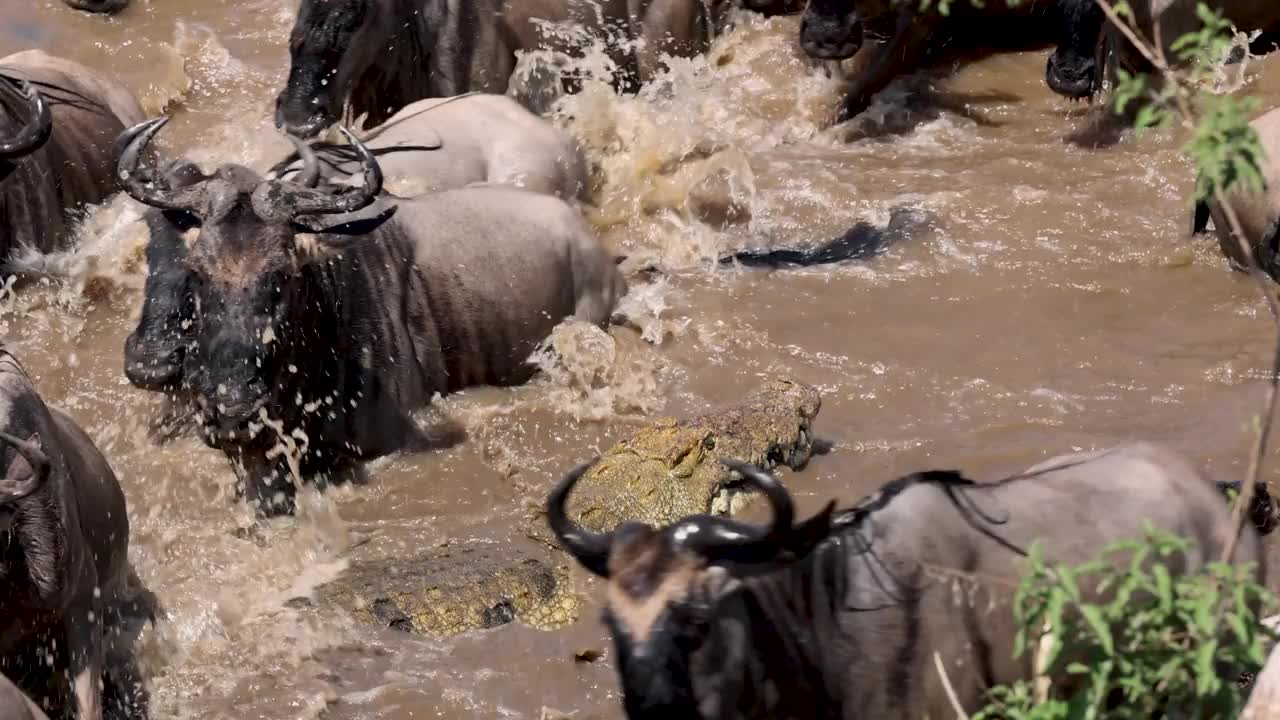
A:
(1054, 305)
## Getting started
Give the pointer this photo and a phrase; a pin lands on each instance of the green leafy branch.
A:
(1155, 641)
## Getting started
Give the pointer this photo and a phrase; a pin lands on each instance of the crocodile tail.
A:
(860, 242)
(1200, 218)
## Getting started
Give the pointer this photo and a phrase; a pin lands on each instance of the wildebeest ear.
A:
(344, 225)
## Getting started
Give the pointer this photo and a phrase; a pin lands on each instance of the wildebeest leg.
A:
(899, 56)
(85, 647)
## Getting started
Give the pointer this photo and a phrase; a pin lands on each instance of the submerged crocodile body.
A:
(452, 590)
(672, 468)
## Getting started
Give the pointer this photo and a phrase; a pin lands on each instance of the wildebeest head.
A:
(155, 351)
(832, 29)
(27, 470)
(25, 122)
(667, 585)
(1074, 69)
(250, 245)
(333, 42)
(99, 6)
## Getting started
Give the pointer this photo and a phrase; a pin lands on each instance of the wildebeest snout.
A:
(301, 118)
(154, 363)
(232, 389)
(830, 33)
(1072, 75)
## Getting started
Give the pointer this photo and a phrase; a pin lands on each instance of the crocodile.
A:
(672, 469)
(447, 591)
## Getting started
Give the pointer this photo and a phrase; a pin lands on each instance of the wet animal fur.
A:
(64, 556)
(73, 169)
(848, 624)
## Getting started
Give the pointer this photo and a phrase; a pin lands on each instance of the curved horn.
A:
(36, 132)
(721, 538)
(309, 175)
(143, 183)
(288, 199)
(11, 489)
(590, 548)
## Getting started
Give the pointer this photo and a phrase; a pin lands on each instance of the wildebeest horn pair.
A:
(713, 538)
(15, 486)
(273, 199)
(36, 132)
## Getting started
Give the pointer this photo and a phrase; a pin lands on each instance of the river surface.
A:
(1053, 303)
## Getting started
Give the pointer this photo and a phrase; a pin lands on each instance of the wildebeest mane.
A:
(367, 362)
(396, 77)
(830, 559)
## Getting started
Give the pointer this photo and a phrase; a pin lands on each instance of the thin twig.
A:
(946, 685)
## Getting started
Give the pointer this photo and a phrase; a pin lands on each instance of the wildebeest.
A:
(337, 319)
(380, 55)
(73, 168)
(15, 705)
(377, 56)
(1076, 68)
(31, 130)
(155, 352)
(64, 563)
(430, 146)
(445, 143)
(841, 617)
(1258, 212)
(836, 29)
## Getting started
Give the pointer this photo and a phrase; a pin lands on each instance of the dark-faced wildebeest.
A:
(380, 55)
(377, 56)
(429, 146)
(1258, 212)
(338, 323)
(842, 616)
(73, 168)
(64, 557)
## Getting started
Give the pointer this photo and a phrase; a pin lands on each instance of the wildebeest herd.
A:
(306, 300)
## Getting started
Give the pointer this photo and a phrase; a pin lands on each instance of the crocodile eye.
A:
(708, 443)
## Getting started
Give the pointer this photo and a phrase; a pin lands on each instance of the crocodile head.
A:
(672, 469)
(450, 591)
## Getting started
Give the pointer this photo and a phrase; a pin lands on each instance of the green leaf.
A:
(1207, 678)
(1093, 615)
(1164, 587)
